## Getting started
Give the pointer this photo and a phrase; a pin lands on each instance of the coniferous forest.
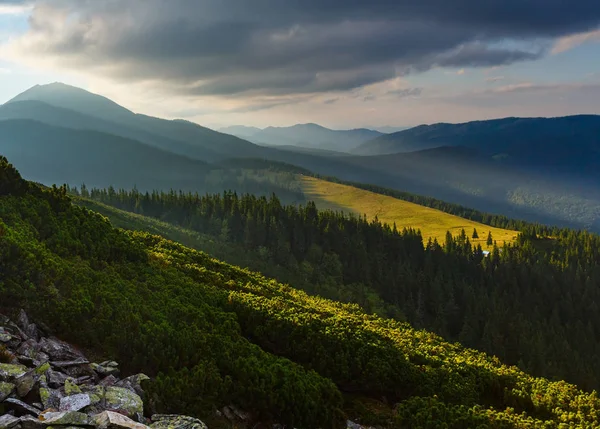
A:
(211, 333)
(532, 304)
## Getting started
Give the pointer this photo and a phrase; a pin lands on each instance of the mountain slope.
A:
(215, 334)
(515, 137)
(66, 118)
(191, 139)
(309, 136)
(58, 155)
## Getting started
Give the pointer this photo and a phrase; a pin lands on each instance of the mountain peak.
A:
(71, 97)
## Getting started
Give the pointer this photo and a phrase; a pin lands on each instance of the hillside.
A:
(215, 334)
(51, 155)
(182, 137)
(433, 224)
(565, 143)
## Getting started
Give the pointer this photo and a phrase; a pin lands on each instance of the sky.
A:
(340, 63)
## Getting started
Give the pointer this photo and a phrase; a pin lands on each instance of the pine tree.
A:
(475, 235)
(490, 240)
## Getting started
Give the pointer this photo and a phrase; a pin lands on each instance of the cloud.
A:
(15, 7)
(494, 79)
(569, 42)
(460, 72)
(331, 101)
(238, 48)
(406, 92)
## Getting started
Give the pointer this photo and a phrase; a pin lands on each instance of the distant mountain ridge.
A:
(507, 135)
(310, 135)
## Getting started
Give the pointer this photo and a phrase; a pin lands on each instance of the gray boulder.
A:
(21, 408)
(6, 389)
(123, 401)
(66, 418)
(50, 398)
(74, 402)
(59, 350)
(134, 383)
(172, 421)
(30, 329)
(8, 422)
(112, 420)
(10, 372)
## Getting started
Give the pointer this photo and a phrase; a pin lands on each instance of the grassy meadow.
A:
(432, 223)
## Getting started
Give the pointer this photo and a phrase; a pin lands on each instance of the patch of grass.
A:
(432, 223)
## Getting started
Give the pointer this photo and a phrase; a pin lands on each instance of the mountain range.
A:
(311, 136)
(536, 169)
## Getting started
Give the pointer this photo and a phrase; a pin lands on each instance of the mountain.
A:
(308, 136)
(71, 119)
(525, 168)
(182, 137)
(51, 155)
(77, 99)
(210, 334)
(521, 139)
(241, 131)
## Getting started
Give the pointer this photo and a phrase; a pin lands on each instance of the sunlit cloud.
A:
(569, 42)
(15, 9)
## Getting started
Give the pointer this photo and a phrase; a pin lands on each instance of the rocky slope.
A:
(47, 383)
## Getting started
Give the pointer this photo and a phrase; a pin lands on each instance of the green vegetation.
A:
(432, 223)
(214, 334)
(531, 303)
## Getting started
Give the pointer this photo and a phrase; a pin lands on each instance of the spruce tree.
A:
(475, 235)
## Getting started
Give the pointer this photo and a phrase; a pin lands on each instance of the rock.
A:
(111, 380)
(6, 389)
(29, 348)
(68, 363)
(59, 350)
(86, 379)
(21, 408)
(112, 420)
(242, 415)
(172, 421)
(30, 422)
(104, 371)
(26, 382)
(106, 368)
(134, 383)
(123, 401)
(74, 368)
(66, 418)
(50, 398)
(228, 413)
(71, 388)
(9, 372)
(28, 328)
(7, 421)
(74, 402)
(55, 379)
(5, 337)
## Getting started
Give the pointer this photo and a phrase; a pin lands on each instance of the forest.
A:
(211, 333)
(532, 304)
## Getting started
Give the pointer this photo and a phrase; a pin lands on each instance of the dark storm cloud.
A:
(274, 47)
